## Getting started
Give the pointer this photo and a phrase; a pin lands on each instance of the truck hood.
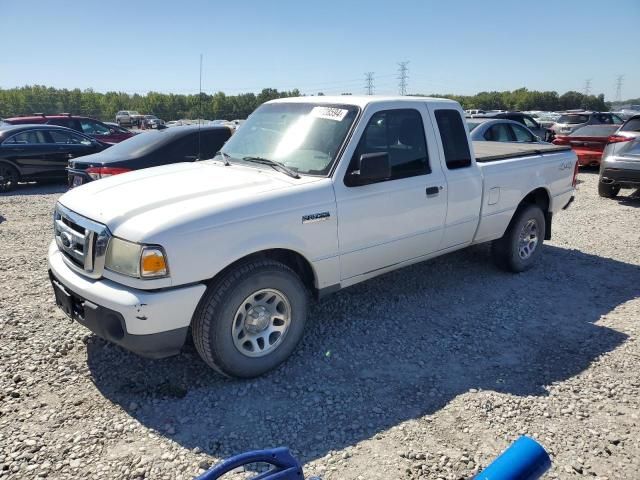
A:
(138, 204)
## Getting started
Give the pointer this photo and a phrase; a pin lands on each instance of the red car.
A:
(88, 126)
(588, 142)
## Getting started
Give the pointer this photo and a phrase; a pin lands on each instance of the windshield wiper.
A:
(272, 163)
(225, 157)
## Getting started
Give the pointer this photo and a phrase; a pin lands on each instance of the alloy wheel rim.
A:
(528, 240)
(261, 322)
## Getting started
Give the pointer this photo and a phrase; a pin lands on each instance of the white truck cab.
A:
(311, 195)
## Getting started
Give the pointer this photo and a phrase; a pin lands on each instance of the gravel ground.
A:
(428, 372)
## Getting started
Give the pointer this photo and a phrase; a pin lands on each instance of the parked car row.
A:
(94, 128)
(46, 152)
(591, 142)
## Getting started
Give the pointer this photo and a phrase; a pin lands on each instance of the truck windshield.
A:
(305, 137)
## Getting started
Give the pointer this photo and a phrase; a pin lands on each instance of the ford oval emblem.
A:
(66, 239)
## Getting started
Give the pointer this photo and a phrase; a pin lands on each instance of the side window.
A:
(515, 118)
(61, 122)
(454, 138)
(184, 149)
(33, 137)
(529, 123)
(632, 125)
(522, 135)
(400, 133)
(499, 133)
(212, 141)
(67, 138)
(606, 119)
(616, 120)
(91, 127)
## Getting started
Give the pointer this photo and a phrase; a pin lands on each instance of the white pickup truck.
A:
(311, 195)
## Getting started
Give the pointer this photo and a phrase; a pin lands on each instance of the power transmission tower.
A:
(403, 76)
(587, 87)
(369, 87)
(619, 80)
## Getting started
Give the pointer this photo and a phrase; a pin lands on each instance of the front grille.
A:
(82, 242)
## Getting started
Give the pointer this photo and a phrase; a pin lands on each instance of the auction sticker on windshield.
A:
(329, 113)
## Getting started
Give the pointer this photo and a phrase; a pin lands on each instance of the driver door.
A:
(401, 218)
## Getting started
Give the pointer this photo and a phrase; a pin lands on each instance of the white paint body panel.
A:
(207, 216)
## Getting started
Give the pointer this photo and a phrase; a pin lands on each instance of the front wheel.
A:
(9, 177)
(607, 190)
(521, 245)
(250, 320)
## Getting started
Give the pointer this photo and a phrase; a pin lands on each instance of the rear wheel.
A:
(9, 177)
(250, 320)
(608, 190)
(521, 245)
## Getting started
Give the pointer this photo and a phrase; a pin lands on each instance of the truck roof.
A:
(360, 100)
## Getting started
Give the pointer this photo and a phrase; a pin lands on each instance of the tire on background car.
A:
(607, 190)
(9, 177)
(251, 319)
(521, 245)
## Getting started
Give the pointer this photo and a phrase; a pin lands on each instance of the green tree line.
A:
(523, 99)
(38, 98)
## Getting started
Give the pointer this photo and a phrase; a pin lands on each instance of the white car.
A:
(310, 196)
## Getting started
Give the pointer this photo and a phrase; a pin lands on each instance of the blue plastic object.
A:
(525, 459)
(284, 465)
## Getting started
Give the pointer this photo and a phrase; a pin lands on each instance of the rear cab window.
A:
(453, 135)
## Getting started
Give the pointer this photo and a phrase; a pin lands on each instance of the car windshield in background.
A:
(305, 137)
(595, 131)
(632, 125)
(573, 119)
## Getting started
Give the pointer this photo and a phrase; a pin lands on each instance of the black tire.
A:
(10, 177)
(215, 316)
(507, 251)
(608, 190)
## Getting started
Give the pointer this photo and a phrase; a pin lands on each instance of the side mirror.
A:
(372, 167)
(538, 139)
(112, 131)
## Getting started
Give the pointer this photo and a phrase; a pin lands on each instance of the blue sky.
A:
(453, 46)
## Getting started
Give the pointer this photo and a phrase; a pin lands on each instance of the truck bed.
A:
(494, 151)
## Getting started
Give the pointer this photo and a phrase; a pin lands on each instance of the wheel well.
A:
(540, 197)
(291, 259)
(15, 167)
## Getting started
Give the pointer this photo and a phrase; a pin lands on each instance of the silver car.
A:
(620, 164)
(569, 122)
(500, 130)
(128, 117)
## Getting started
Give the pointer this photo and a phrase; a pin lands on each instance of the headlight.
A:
(135, 260)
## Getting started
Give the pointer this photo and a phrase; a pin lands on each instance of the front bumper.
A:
(150, 323)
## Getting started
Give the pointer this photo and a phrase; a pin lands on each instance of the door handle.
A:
(433, 191)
